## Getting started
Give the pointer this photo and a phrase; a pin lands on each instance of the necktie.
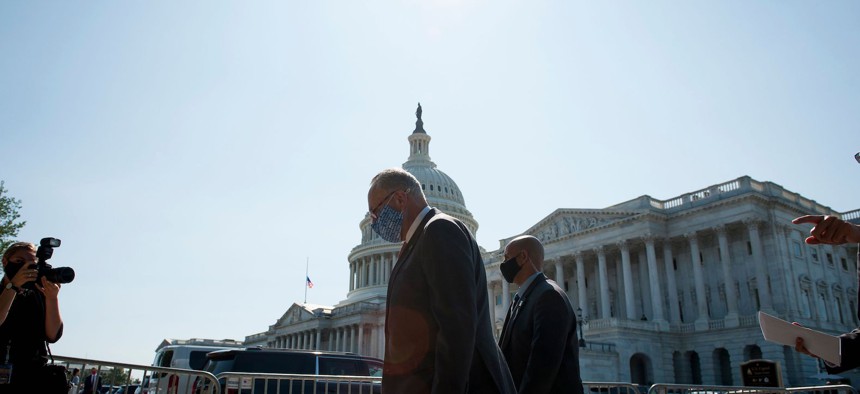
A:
(509, 318)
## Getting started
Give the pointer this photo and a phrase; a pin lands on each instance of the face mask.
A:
(388, 224)
(509, 269)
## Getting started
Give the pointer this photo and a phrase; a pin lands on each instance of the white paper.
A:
(826, 347)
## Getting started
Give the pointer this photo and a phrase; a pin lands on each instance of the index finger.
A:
(814, 219)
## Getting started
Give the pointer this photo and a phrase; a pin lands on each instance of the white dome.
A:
(370, 259)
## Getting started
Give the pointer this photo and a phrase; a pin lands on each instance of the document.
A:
(825, 346)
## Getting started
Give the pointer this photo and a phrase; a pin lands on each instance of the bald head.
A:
(529, 244)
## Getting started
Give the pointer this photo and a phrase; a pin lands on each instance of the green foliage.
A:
(115, 377)
(8, 215)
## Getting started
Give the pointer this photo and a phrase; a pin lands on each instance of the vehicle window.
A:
(274, 363)
(197, 359)
(348, 366)
(166, 358)
(221, 365)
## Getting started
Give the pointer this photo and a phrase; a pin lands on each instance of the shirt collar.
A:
(526, 284)
(417, 222)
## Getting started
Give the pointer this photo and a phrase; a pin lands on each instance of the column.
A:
(373, 341)
(760, 269)
(604, 283)
(347, 338)
(654, 279)
(353, 345)
(318, 334)
(506, 295)
(580, 282)
(699, 278)
(671, 286)
(789, 278)
(331, 339)
(381, 333)
(352, 275)
(728, 280)
(360, 342)
(559, 273)
(492, 301)
(627, 275)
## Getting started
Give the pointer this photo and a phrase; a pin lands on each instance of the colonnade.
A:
(641, 289)
(362, 338)
(373, 270)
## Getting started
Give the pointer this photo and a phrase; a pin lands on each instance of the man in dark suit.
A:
(437, 323)
(830, 230)
(539, 336)
(92, 383)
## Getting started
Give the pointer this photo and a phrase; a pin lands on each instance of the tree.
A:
(8, 215)
(116, 376)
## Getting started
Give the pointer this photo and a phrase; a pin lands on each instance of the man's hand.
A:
(801, 348)
(829, 230)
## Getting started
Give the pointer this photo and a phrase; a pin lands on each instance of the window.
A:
(798, 251)
(675, 264)
(499, 299)
(830, 259)
(844, 264)
(431, 188)
(749, 247)
(814, 253)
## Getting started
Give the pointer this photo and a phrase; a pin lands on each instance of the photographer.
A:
(28, 318)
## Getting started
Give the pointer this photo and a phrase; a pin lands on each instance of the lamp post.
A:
(579, 322)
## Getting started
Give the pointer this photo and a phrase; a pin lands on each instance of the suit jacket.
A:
(539, 340)
(850, 342)
(437, 322)
(89, 388)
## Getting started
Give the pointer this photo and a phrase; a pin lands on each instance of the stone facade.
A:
(667, 290)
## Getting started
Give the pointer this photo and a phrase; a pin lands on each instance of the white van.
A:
(180, 354)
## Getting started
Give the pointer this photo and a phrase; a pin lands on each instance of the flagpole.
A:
(306, 280)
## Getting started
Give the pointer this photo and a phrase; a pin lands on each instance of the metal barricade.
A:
(612, 388)
(145, 379)
(706, 389)
(828, 389)
(271, 383)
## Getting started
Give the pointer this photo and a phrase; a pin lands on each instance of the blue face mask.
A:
(388, 224)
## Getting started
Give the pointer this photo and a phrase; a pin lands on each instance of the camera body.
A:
(43, 253)
(56, 275)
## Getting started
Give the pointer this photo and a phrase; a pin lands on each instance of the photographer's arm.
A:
(6, 298)
(8, 295)
(53, 321)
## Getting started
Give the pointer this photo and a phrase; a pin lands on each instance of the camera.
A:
(56, 275)
(43, 253)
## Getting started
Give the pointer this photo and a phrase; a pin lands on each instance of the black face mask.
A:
(509, 269)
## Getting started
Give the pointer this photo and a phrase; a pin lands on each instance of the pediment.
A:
(295, 314)
(564, 222)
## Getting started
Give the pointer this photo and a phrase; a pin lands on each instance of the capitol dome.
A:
(371, 261)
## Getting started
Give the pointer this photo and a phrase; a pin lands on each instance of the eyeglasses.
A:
(372, 212)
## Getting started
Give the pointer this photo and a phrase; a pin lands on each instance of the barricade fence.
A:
(706, 389)
(147, 379)
(135, 378)
(269, 383)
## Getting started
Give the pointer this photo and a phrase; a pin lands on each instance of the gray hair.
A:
(397, 179)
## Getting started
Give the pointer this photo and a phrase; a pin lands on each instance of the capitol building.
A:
(667, 291)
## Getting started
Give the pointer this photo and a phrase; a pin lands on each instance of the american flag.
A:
(309, 282)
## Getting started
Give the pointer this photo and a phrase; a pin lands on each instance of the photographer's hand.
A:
(24, 275)
(48, 288)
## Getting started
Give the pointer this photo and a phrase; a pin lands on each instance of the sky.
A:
(194, 156)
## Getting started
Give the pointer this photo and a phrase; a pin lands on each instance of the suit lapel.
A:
(410, 245)
(513, 313)
(405, 251)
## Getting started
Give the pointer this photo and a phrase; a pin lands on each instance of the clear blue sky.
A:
(191, 155)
